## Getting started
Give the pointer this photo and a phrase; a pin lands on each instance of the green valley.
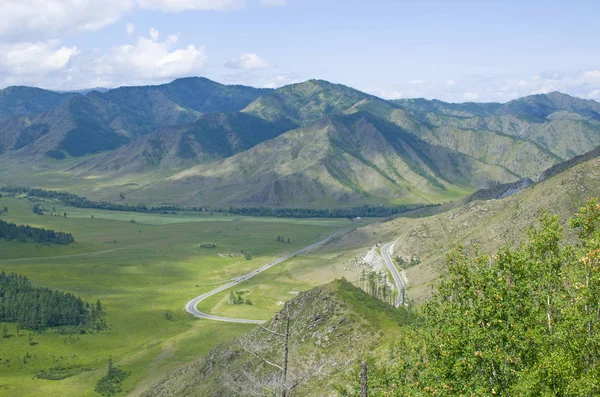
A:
(139, 208)
(143, 268)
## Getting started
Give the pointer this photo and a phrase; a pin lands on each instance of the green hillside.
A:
(104, 121)
(24, 101)
(197, 142)
(489, 224)
(331, 326)
(214, 136)
(307, 102)
(337, 161)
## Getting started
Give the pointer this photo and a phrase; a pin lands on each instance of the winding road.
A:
(191, 306)
(385, 251)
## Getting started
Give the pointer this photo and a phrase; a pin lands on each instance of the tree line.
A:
(24, 233)
(375, 283)
(74, 200)
(522, 322)
(37, 308)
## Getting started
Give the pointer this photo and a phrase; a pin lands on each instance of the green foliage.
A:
(80, 141)
(406, 263)
(376, 284)
(59, 372)
(110, 383)
(237, 298)
(208, 245)
(10, 231)
(56, 154)
(22, 101)
(82, 202)
(39, 308)
(282, 239)
(523, 322)
(373, 309)
(37, 209)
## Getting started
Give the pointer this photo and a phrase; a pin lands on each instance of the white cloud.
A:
(247, 62)
(48, 18)
(130, 29)
(272, 3)
(41, 19)
(416, 82)
(172, 39)
(594, 95)
(185, 5)
(582, 84)
(34, 59)
(391, 95)
(591, 76)
(280, 80)
(471, 96)
(51, 65)
(151, 60)
(153, 33)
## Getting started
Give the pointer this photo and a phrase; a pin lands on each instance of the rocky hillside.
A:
(324, 323)
(197, 142)
(97, 122)
(338, 161)
(487, 223)
(213, 137)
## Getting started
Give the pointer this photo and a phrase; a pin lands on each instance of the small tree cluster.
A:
(110, 383)
(38, 210)
(282, 239)
(23, 233)
(39, 308)
(376, 284)
(237, 298)
(406, 263)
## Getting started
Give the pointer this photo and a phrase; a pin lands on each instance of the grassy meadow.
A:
(141, 267)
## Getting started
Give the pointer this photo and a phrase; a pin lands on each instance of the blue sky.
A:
(451, 50)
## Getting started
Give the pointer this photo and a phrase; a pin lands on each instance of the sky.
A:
(486, 50)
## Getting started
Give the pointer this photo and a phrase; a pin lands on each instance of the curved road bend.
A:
(385, 250)
(191, 306)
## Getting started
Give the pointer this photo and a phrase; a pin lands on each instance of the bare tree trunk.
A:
(363, 378)
(285, 354)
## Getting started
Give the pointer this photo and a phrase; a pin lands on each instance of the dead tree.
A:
(283, 386)
(363, 378)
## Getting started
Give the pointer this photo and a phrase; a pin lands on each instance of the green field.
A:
(141, 266)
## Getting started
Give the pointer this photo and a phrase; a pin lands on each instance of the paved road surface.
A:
(190, 307)
(385, 251)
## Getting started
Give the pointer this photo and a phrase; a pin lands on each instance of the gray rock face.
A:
(501, 191)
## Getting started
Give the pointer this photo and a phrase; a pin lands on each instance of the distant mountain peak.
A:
(542, 105)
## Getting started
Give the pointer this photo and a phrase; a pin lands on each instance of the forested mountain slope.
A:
(197, 142)
(104, 121)
(340, 160)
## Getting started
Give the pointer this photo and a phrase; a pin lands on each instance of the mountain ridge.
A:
(176, 136)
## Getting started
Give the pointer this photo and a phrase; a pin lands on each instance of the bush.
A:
(110, 383)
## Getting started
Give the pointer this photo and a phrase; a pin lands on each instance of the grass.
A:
(155, 266)
(485, 224)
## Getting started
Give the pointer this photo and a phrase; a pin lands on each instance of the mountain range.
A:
(197, 142)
